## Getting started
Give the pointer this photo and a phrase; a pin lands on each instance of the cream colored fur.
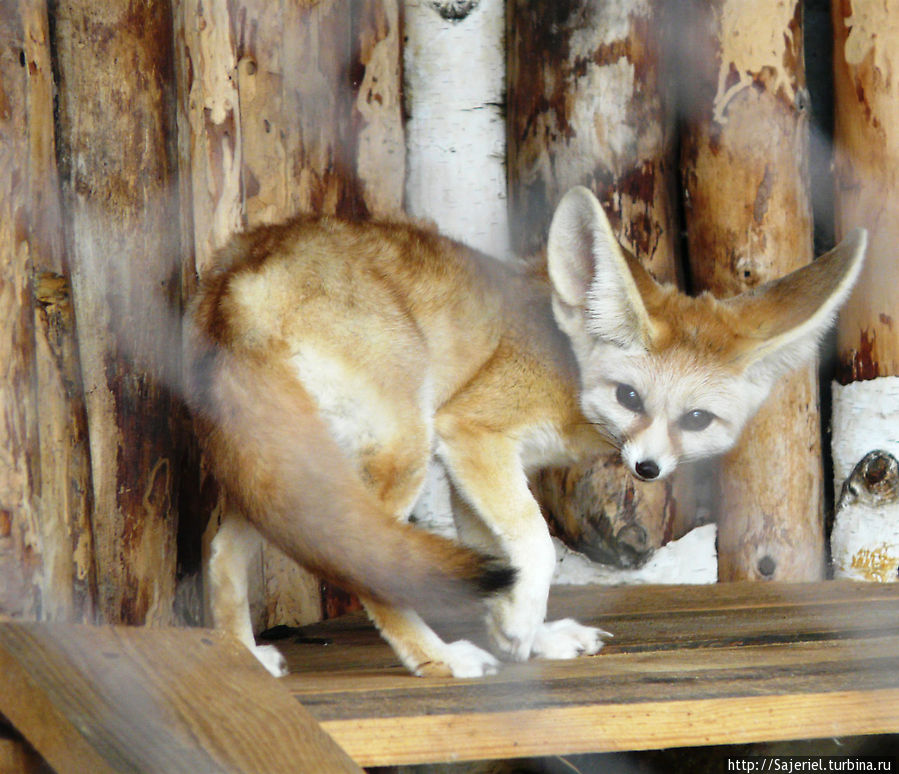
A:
(334, 358)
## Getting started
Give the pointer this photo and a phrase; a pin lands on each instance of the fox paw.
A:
(566, 638)
(513, 629)
(460, 659)
(270, 657)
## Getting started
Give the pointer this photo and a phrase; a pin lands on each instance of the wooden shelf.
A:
(688, 666)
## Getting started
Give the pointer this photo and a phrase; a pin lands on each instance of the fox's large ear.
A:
(788, 316)
(595, 291)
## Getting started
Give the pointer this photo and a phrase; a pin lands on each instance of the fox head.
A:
(672, 378)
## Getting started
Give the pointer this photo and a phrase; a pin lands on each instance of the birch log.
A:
(587, 107)
(46, 551)
(745, 172)
(453, 79)
(116, 122)
(866, 171)
(455, 135)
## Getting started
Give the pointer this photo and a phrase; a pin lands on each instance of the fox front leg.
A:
(493, 501)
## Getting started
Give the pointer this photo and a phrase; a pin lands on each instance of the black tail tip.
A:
(496, 575)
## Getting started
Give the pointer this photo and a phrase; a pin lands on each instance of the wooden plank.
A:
(599, 728)
(612, 677)
(643, 618)
(105, 699)
(712, 665)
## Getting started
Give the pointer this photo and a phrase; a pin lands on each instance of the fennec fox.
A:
(335, 358)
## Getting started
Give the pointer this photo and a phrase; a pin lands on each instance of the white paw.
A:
(465, 659)
(270, 657)
(513, 626)
(458, 659)
(567, 638)
(515, 618)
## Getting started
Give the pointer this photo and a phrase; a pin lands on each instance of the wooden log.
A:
(587, 106)
(866, 155)
(453, 79)
(210, 163)
(745, 171)
(289, 110)
(46, 551)
(65, 495)
(456, 138)
(116, 123)
(19, 579)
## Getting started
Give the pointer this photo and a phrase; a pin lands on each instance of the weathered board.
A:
(732, 663)
(104, 699)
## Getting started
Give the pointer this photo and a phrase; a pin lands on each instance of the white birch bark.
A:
(454, 67)
(454, 79)
(865, 417)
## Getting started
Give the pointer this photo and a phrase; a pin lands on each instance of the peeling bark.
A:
(47, 566)
(20, 555)
(116, 123)
(866, 160)
(745, 173)
(586, 106)
(866, 168)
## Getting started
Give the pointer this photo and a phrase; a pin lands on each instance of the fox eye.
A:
(695, 420)
(628, 397)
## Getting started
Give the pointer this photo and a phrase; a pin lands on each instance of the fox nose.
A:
(647, 469)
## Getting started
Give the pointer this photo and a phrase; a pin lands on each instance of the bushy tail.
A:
(274, 455)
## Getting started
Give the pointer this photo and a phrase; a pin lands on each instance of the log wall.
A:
(588, 105)
(136, 137)
(749, 219)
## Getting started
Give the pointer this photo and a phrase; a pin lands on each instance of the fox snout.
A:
(646, 466)
(649, 452)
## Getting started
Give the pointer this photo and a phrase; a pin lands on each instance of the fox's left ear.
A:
(596, 291)
(788, 316)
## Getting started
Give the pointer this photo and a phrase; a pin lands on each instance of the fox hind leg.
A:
(227, 575)
(397, 475)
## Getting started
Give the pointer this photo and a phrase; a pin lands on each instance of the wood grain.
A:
(105, 699)
(724, 664)
(731, 663)
(115, 134)
(749, 219)
(866, 151)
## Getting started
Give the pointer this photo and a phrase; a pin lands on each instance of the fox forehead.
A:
(700, 328)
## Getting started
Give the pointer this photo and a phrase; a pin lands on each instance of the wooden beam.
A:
(104, 699)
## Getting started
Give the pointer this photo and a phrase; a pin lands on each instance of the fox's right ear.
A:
(595, 292)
